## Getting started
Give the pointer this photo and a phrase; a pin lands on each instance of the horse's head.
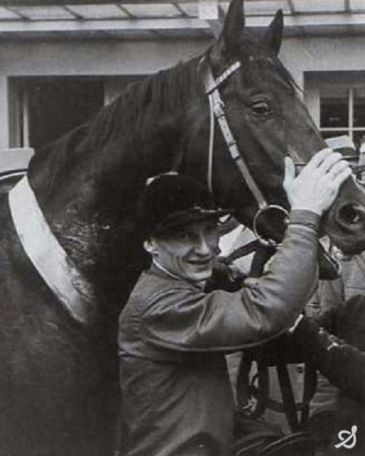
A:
(268, 120)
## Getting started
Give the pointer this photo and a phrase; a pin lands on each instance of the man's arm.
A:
(186, 319)
(341, 363)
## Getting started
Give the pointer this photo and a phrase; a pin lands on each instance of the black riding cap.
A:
(171, 201)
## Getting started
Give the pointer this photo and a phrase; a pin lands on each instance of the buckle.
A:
(271, 207)
(218, 108)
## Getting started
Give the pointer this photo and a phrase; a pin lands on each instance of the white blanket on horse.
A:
(48, 256)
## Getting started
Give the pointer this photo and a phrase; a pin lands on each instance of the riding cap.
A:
(170, 201)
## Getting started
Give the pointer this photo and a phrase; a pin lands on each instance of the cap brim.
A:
(183, 218)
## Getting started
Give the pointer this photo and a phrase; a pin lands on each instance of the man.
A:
(173, 335)
(344, 366)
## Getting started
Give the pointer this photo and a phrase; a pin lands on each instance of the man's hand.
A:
(317, 186)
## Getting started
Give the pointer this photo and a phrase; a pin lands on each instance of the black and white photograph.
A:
(182, 227)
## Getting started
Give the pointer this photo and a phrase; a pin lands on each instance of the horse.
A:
(59, 391)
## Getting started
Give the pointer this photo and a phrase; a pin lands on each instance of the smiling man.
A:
(173, 335)
(190, 252)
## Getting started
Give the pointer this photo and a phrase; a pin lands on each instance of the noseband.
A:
(216, 110)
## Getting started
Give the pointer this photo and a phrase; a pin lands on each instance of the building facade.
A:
(61, 64)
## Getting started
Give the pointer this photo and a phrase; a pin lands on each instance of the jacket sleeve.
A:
(185, 319)
(341, 363)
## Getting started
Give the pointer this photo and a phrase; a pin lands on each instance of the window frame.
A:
(350, 128)
(317, 82)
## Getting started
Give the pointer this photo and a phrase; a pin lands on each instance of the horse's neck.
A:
(88, 182)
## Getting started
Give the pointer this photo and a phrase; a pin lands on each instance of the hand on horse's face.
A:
(317, 186)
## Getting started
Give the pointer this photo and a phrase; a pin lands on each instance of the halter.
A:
(216, 110)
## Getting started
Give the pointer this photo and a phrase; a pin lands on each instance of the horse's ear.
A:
(230, 38)
(233, 26)
(274, 34)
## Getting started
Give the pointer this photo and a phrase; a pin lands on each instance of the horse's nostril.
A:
(351, 215)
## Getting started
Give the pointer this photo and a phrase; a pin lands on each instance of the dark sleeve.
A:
(329, 320)
(341, 363)
(186, 319)
(347, 321)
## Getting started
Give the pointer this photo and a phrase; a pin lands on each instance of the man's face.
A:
(190, 252)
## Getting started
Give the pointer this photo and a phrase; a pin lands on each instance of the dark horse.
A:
(59, 376)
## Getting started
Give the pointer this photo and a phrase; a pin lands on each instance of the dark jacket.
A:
(173, 336)
(342, 361)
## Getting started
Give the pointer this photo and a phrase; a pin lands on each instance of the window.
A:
(44, 108)
(342, 112)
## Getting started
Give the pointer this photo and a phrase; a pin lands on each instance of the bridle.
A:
(217, 112)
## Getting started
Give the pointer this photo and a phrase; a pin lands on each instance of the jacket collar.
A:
(157, 269)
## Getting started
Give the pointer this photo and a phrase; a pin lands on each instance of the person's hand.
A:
(317, 186)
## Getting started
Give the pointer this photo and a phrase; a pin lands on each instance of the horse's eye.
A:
(261, 108)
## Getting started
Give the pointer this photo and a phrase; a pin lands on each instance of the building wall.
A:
(95, 57)
(328, 55)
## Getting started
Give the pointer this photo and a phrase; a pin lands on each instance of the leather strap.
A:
(213, 84)
(217, 108)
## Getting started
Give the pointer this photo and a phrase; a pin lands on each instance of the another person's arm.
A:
(341, 363)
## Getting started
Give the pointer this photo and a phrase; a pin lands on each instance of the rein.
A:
(217, 112)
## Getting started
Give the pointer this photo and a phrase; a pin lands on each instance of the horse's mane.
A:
(162, 93)
(131, 116)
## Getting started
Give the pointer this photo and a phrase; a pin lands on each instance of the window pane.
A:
(359, 107)
(334, 105)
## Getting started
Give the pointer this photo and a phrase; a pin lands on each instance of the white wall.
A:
(342, 53)
(331, 56)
